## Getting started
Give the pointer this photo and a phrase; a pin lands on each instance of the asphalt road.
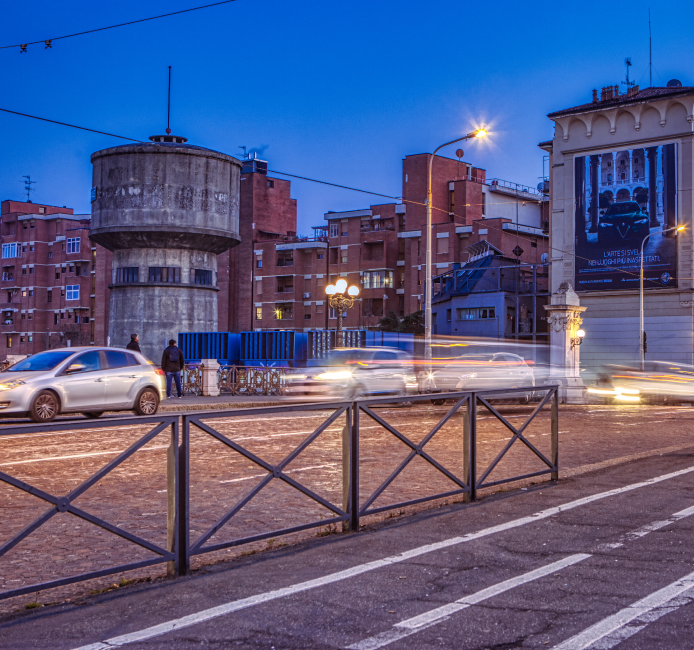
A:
(600, 560)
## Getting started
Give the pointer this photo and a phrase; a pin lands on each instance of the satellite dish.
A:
(544, 258)
(674, 83)
(460, 153)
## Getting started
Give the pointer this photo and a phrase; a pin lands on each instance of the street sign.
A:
(517, 251)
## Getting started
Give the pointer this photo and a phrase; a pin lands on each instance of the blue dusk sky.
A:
(339, 91)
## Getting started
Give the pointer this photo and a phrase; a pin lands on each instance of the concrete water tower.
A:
(166, 209)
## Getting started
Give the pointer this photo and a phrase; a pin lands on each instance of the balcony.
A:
(285, 261)
(377, 225)
(285, 289)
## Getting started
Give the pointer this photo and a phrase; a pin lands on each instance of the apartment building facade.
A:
(48, 286)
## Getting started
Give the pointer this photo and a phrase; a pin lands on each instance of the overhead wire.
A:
(346, 187)
(48, 41)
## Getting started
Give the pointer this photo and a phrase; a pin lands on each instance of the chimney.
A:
(595, 95)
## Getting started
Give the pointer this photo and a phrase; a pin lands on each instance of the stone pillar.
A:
(564, 320)
(210, 387)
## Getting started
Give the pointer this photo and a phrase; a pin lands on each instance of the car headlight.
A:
(296, 377)
(9, 385)
(470, 375)
(344, 374)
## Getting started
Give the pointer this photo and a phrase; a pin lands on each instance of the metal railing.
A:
(358, 498)
(65, 503)
(191, 379)
(239, 380)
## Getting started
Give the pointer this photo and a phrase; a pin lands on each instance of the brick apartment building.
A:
(381, 248)
(49, 292)
(55, 282)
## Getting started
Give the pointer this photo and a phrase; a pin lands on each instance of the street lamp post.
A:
(339, 301)
(642, 347)
(478, 133)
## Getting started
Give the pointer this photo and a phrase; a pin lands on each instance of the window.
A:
(24, 225)
(319, 309)
(117, 359)
(31, 249)
(73, 245)
(73, 292)
(71, 268)
(24, 271)
(284, 312)
(258, 286)
(127, 275)
(21, 339)
(533, 244)
(49, 296)
(85, 319)
(31, 293)
(448, 315)
(333, 314)
(170, 274)
(451, 200)
(56, 318)
(90, 361)
(484, 203)
(271, 183)
(32, 224)
(50, 254)
(285, 259)
(9, 250)
(259, 313)
(259, 263)
(30, 315)
(9, 341)
(31, 270)
(57, 274)
(202, 276)
(334, 229)
(377, 280)
(442, 245)
(474, 313)
(320, 256)
(6, 275)
(343, 259)
(307, 316)
(24, 293)
(344, 233)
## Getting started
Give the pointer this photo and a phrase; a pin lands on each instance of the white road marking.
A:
(95, 453)
(627, 622)
(423, 621)
(648, 528)
(233, 606)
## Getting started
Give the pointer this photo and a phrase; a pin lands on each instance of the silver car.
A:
(352, 373)
(81, 380)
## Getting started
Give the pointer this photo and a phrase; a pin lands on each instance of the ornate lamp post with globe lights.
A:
(340, 302)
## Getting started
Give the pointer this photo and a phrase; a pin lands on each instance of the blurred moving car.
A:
(663, 380)
(81, 380)
(490, 371)
(623, 220)
(351, 373)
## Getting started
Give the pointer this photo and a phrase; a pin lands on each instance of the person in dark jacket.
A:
(134, 343)
(172, 362)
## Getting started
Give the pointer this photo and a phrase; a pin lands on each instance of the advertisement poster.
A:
(622, 197)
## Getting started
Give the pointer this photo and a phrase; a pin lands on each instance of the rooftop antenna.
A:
(650, 52)
(628, 83)
(245, 152)
(168, 109)
(27, 187)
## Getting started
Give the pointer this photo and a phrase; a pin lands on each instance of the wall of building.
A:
(653, 117)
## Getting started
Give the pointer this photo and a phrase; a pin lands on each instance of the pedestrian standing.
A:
(172, 362)
(134, 343)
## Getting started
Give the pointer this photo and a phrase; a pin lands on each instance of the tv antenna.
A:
(245, 151)
(27, 187)
(168, 108)
(627, 64)
(650, 52)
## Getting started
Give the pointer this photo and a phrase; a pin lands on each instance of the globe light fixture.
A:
(341, 302)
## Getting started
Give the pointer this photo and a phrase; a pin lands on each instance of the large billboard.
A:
(622, 197)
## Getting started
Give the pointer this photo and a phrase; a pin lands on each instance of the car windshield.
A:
(42, 361)
(625, 207)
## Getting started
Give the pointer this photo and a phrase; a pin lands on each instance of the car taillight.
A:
(159, 371)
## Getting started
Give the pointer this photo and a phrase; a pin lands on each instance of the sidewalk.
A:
(220, 403)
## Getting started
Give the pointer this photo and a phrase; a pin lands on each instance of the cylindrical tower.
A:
(166, 210)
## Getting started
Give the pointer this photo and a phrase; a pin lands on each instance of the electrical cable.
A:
(48, 41)
(353, 189)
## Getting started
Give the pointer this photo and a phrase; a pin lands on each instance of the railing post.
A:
(354, 469)
(346, 471)
(466, 451)
(555, 435)
(472, 414)
(171, 485)
(183, 499)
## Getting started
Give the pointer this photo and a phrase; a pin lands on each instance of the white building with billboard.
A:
(621, 172)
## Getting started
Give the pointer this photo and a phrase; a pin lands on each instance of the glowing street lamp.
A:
(642, 334)
(340, 302)
(477, 133)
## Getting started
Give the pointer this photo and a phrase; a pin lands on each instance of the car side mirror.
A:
(73, 368)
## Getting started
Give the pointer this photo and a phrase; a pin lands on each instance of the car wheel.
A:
(147, 402)
(93, 414)
(45, 407)
(438, 402)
